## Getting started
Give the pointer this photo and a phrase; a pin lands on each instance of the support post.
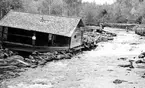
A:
(53, 39)
(2, 34)
(33, 39)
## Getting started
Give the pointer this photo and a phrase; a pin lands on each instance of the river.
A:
(97, 68)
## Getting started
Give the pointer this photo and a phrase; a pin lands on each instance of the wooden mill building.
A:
(34, 32)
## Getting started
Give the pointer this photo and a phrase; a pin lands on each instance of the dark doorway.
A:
(41, 39)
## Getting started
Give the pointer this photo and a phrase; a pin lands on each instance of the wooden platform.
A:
(30, 48)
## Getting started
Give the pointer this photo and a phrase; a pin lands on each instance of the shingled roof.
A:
(42, 23)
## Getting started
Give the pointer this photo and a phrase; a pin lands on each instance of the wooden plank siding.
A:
(76, 39)
(3, 33)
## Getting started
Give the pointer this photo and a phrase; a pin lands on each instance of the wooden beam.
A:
(82, 33)
(20, 35)
(70, 42)
(14, 43)
(2, 36)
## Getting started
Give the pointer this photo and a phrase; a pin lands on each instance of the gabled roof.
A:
(42, 23)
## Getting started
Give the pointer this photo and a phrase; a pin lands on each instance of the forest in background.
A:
(122, 11)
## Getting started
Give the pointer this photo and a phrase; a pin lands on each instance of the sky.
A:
(100, 1)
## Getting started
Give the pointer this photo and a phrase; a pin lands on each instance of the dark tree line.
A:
(122, 11)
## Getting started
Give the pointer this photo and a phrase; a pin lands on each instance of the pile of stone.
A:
(90, 39)
(10, 64)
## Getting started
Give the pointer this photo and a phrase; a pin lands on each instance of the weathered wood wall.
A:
(3, 33)
(76, 39)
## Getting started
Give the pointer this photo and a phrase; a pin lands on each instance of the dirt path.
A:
(92, 69)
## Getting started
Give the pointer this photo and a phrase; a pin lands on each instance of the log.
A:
(59, 57)
(8, 67)
(4, 64)
(24, 63)
(12, 58)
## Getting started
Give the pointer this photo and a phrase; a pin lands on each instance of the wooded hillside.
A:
(122, 11)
